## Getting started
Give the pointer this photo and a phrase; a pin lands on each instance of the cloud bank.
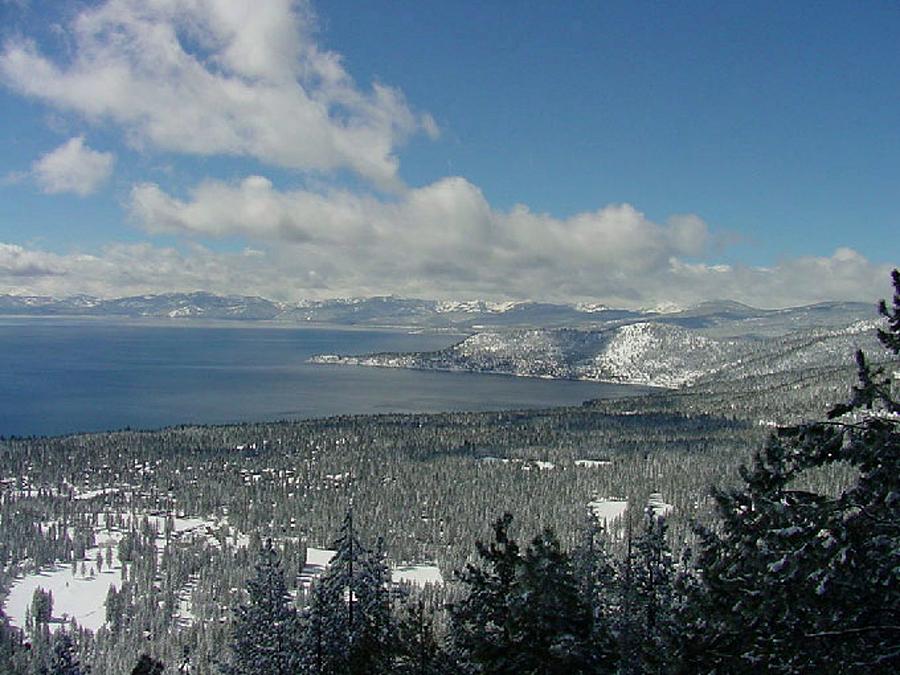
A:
(291, 271)
(217, 77)
(442, 236)
(445, 239)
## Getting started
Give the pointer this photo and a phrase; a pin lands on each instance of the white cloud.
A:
(445, 240)
(73, 167)
(18, 264)
(443, 233)
(120, 269)
(291, 271)
(214, 77)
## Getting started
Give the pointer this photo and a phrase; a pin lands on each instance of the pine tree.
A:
(318, 652)
(522, 612)
(798, 581)
(552, 621)
(481, 619)
(349, 624)
(646, 623)
(41, 606)
(64, 658)
(12, 653)
(265, 631)
(596, 573)
(418, 652)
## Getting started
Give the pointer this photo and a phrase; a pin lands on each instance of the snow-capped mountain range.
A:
(715, 319)
(168, 305)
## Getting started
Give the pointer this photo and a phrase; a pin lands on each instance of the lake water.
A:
(63, 375)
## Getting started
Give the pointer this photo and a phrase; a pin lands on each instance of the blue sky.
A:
(623, 152)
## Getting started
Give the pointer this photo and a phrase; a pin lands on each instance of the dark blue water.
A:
(60, 376)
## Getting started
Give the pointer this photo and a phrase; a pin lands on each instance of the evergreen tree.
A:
(349, 624)
(481, 620)
(418, 652)
(265, 631)
(552, 621)
(64, 659)
(318, 652)
(41, 606)
(646, 623)
(596, 573)
(12, 653)
(115, 609)
(522, 612)
(798, 581)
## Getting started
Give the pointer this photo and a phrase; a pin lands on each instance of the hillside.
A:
(648, 353)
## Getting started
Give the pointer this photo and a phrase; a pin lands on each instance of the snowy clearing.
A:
(593, 463)
(318, 559)
(609, 509)
(80, 593)
(659, 505)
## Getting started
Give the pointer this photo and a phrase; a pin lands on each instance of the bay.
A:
(61, 376)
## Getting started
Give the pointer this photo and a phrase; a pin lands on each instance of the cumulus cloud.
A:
(17, 263)
(443, 234)
(73, 167)
(214, 77)
(844, 275)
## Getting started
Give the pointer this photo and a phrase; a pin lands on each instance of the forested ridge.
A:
(789, 565)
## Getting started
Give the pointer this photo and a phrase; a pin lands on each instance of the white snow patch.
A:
(74, 596)
(90, 494)
(591, 307)
(659, 505)
(527, 464)
(417, 575)
(318, 560)
(593, 463)
(608, 509)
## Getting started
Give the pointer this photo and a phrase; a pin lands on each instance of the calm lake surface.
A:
(64, 375)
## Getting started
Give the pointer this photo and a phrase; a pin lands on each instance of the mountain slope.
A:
(166, 305)
(648, 353)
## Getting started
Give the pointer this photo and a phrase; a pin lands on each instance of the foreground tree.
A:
(598, 578)
(646, 627)
(12, 653)
(798, 581)
(417, 650)
(523, 611)
(265, 631)
(64, 658)
(349, 626)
